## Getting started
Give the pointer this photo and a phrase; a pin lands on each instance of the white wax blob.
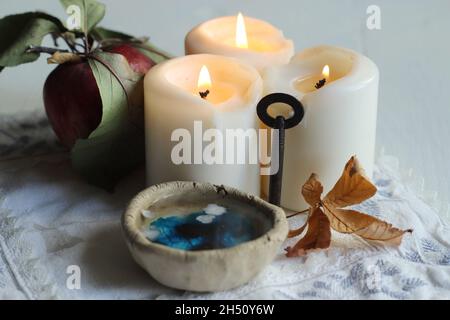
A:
(150, 233)
(147, 214)
(206, 218)
(214, 209)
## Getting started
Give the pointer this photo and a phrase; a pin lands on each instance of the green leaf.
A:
(117, 145)
(18, 32)
(100, 33)
(91, 11)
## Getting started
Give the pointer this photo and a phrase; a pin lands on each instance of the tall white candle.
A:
(172, 101)
(254, 41)
(339, 121)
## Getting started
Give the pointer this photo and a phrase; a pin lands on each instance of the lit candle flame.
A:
(204, 79)
(241, 33)
(326, 72)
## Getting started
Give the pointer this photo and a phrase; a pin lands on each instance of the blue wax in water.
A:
(202, 231)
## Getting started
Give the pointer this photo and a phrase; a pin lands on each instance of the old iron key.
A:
(281, 124)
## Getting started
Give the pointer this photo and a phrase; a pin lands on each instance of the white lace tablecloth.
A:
(50, 220)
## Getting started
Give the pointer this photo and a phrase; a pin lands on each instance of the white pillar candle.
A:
(339, 121)
(254, 41)
(172, 101)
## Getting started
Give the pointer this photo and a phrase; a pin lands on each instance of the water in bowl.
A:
(211, 227)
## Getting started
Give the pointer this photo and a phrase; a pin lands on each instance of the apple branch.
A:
(40, 49)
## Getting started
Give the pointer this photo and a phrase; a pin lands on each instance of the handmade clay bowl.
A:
(202, 237)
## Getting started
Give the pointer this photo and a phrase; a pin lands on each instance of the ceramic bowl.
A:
(211, 265)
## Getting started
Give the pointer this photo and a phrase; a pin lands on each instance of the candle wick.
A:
(321, 83)
(203, 94)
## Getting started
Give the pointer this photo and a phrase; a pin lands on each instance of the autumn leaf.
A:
(318, 235)
(365, 226)
(312, 190)
(63, 57)
(352, 187)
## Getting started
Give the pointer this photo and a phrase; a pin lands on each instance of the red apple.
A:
(138, 62)
(72, 99)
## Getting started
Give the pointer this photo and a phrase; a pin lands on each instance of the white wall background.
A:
(412, 51)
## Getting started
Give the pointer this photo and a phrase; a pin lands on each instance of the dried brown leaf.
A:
(363, 225)
(318, 235)
(63, 57)
(312, 190)
(352, 187)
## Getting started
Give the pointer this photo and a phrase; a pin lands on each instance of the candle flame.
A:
(204, 79)
(326, 71)
(241, 33)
